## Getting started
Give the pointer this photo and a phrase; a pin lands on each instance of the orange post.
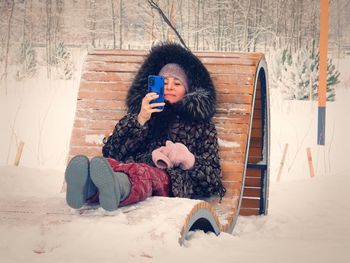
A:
(322, 88)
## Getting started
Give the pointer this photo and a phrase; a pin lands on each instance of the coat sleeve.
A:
(127, 137)
(204, 179)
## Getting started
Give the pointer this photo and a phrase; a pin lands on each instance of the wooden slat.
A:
(254, 172)
(233, 108)
(236, 55)
(231, 78)
(257, 104)
(107, 76)
(257, 114)
(254, 159)
(251, 192)
(102, 94)
(234, 98)
(231, 188)
(228, 127)
(95, 124)
(255, 152)
(234, 137)
(236, 61)
(101, 104)
(256, 133)
(231, 116)
(252, 182)
(111, 52)
(114, 58)
(97, 114)
(234, 88)
(107, 86)
(256, 142)
(230, 69)
(231, 156)
(250, 203)
(237, 148)
(231, 167)
(257, 124)
(111, 67)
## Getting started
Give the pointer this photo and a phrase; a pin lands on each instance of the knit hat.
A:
(175, 71)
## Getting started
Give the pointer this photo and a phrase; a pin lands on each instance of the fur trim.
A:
(199, 102)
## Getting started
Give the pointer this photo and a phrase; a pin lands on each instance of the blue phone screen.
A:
(156, 84)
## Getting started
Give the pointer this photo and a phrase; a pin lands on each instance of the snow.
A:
(225, 143)
(96, 139)
(295, 123)
(307, 222)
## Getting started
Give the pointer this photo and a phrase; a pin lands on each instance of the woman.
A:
(169, 152)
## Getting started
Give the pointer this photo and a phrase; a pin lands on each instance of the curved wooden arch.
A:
(242, 122)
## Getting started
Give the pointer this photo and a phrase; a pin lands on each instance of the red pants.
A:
(145, 180)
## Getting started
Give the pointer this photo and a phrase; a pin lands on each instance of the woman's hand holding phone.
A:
(148, 108)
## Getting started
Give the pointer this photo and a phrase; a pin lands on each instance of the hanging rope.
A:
(155, 6)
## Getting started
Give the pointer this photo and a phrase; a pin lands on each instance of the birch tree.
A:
(120, 24)
(113, 24)
(11, 7)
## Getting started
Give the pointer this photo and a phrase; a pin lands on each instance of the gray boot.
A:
(113, 186)
(79, 184)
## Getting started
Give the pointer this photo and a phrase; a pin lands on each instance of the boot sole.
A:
(77, 175)
(102, 176)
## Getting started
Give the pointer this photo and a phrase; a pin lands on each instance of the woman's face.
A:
(174, 90)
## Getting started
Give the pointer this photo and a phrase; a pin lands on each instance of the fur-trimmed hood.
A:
(198, 104)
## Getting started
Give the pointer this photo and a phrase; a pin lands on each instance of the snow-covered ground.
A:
(308, 221)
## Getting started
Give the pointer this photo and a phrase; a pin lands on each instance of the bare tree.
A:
(120, 24)
(170, 35)
(219, 26)
(92, 22)
(9, 26)
(181, 16)
(195, 24)
(188, 22)
(113, 24)
(152, 21)
(48, 37)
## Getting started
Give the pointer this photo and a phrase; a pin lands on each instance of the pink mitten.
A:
(179, 155)
(160, 159)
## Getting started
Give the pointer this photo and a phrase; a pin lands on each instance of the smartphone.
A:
(156, 84)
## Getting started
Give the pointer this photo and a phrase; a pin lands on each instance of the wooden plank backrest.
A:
(106, 77)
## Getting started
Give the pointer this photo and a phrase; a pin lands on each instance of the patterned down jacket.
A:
(189, 121)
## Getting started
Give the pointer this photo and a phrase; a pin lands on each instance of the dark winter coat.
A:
(189, 121)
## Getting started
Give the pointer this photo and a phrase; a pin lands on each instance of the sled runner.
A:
(242, 122)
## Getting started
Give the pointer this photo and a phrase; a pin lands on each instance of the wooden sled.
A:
(242, 122)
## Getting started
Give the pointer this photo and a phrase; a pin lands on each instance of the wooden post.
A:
(309, 159)
(19, 153)
(322, 88)
(282, 162)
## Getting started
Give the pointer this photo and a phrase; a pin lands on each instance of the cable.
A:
(155, 6)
